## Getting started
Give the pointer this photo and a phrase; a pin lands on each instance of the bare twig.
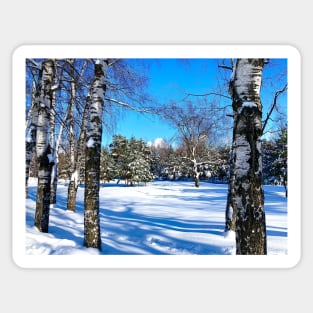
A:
(128, 106)
(279, 92)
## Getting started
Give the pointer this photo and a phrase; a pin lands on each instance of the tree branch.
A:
(128, 106)
(206, 94)
(279, 92)
(225, 67)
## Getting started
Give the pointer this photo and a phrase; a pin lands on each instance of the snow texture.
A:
(74, 176)
(249, 104)
(90, 143)
(161, 218)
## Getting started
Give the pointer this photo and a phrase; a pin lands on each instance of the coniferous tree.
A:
(107, 167)
(275, 160)
(138, 162)
(281, 163)
(119, 152)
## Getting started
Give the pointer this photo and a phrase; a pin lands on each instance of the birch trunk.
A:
(77, 158)
(43, 147)
(247, 186)
(74, 176)
(72, 189)
(92, 236)
(31, 128)
(54, 171)
(196, 174)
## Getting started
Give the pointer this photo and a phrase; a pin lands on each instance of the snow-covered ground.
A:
(172, 218)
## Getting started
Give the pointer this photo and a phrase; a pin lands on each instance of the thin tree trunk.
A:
(92, 236)
(72, 189)
(196, 174)
(230, 215)
(43, 147)
(74, 176)
(248, 190)
(54, 171)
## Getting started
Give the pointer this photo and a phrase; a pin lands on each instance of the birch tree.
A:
(92, 236)
(31, 128)
(73, 179)
(73, 186)
(53, 142)
(43, 150)
(247, 190)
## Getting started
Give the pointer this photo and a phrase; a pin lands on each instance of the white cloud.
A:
(159, 142)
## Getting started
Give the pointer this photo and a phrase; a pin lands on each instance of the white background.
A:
(159, 22)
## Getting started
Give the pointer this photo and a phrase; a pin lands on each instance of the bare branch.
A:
(225, 67)
(279, 92)
(35, 64)
(205, 95)
(128, 106)
(114, 61)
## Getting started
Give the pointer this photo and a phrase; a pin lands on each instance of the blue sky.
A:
(171, 78)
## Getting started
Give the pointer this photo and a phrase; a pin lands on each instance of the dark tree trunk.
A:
(230, 215)
(248, 190)
(92, 236)
(197, 181)
(43, 192)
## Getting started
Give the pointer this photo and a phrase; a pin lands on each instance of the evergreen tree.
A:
(280, 165)
(107, 166)
(119, 152)
(275, 160)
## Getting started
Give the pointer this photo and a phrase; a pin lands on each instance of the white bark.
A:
(93, 152)
(31, 128)
(246, 184)
(43, 148)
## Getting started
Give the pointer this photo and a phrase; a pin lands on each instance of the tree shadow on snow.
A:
(128, 232)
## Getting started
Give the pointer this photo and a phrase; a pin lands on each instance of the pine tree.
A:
(139, 162)
(275, 160)
(107, 166)
(119, 152)
(281, 163)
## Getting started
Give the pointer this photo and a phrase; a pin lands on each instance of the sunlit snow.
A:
(163, 217)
